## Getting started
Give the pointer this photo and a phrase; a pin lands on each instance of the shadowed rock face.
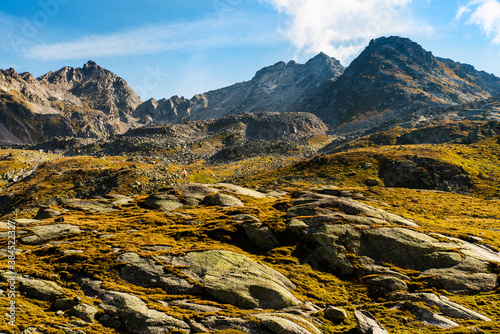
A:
(425, 173)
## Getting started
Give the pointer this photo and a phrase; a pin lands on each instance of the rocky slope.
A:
(225, 139)
(394, 82)
(88, 102)
(283, 87)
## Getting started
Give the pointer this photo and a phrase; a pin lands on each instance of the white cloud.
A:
(342, 28)
(235, 30)
(486, 15)
(462, 10)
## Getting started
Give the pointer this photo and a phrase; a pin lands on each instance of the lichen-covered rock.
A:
(260, 235)
(458, 281)
(163, 202)
(446, 306)
(384, 285)
(88, 205)
(286, 323)
(236, 279)
(46, 213)
(219, 199)
(193, 193)
(430, 318)
(367, 324)
(137, 317)
(46, 233)
(146, 273)
(408, 249)
(335, 314)
(239, 190)
(84, 311)
(40, 289)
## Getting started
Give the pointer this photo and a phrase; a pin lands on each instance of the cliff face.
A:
(89, 102)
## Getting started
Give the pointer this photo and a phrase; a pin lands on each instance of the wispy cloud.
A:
(342, 28)
(234, 30)
(485, 14)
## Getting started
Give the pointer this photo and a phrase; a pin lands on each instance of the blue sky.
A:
(182, 47)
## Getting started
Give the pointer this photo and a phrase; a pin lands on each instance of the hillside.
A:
(119, 245)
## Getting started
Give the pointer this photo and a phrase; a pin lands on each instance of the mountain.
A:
(392, 78)
(283, 87)
(82, 102)
(395, 77)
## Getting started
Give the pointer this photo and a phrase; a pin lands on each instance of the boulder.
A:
(47, 213)
(219, 199)
(194, 193)
(367, 324)
(372, 182)
(21, 222)
(445, 306)
(163, 202)
(40, 289)
(88, 205)
(286, 323)
(117, 199)
(384, 285)
(66, 303)
(85, 312)
(407, 248)
(262, 236)
(335, 314)
(137, 317)
(45, 233)
(146, 273)
(239, 190)
(198, 308)
(245, 283)
(430, 318)
(460, 282)
(314, 202)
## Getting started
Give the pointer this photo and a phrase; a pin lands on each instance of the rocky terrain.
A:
(230, 138)
(371, 240)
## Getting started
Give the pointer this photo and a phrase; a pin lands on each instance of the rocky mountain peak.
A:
(11, 72)
(91, 66)
(322, 59)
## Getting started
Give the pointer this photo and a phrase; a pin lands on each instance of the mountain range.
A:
(393, 79)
